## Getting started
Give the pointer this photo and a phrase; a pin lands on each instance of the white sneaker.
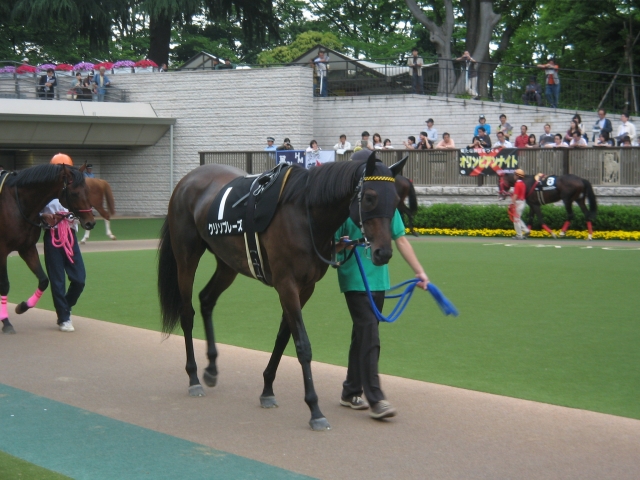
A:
(66, 326)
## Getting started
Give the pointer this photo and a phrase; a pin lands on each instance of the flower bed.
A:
(123, 66)
(83, 67)
(64, 69)
(485, 232)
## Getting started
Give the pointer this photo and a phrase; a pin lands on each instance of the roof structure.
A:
(201, 61)
(37, 123)
(339, 61)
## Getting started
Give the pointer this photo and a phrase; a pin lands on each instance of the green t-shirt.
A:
(349, 276)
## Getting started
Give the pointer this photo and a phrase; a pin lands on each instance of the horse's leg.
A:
(85, 237)
(107, 225)
(221, 280)
(291, 306)
(587, 216)
(569, 207)
(4, 292)
(188, 252)
(31, 258)
(268, 398)
(538, 212)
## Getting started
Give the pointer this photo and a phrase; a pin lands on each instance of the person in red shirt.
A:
(518, 199)
(523, 139)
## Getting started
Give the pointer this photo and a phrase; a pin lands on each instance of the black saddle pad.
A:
(547, 183)
(227, 213)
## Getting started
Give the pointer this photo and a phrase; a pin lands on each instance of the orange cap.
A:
(61, 159)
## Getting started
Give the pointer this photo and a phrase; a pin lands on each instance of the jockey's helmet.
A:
(519, 173)
(61, 159)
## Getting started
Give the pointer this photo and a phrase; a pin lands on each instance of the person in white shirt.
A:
(432, 133)
(547, 137)
(59, 264)
(342, 146)
(626, 128)
(557, 142)
(270, 146)
(577, 140)
(502, 141)
(321, 63)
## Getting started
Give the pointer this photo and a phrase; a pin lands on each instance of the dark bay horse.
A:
(311, 207)
(99, 192)
(566, 188)
(22, 198)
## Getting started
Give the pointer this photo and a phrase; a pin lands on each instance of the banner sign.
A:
(293, 157)
(304, 158)
(487, 161)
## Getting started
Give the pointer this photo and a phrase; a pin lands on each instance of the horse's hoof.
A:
(589, 237)
(21, 308)
(268, 402)
(7, 327)
(112, 237)
(82, 242)
(319, 424)
(196, 391)
(554, 235)
(209, 379)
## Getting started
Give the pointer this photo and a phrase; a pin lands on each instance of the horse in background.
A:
(23, 196)
(99, 191)
(566, 188)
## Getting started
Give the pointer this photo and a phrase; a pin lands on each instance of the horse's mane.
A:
(321, 186)
(42, 174)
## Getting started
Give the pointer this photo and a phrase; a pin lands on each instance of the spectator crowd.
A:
(602, 136)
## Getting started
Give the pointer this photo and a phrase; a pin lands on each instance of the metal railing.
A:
(26, 86)
(619, 166)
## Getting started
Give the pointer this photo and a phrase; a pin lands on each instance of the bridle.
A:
(63, 216)
(357, 194)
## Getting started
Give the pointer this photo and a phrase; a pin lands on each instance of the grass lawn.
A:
(556, 325)
(15, 468)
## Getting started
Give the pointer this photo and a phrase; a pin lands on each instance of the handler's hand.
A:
(341, 245)
(424, 280)
(50, 218)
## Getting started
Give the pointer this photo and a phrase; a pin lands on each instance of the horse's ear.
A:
(83, 167)
(371, 164)
(396, 168)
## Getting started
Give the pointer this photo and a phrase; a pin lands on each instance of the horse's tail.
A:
(593, 204)
(111, 204)
(413, 199)
(168, 291)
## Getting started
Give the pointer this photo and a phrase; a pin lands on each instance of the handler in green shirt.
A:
(362, 373)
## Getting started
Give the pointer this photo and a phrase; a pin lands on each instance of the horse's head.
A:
(75, 196)
(507, 180)
(373, 208)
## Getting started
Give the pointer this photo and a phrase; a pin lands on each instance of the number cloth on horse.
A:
(228, 212)
(246, 206)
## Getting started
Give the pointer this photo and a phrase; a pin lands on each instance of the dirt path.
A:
(441, 432)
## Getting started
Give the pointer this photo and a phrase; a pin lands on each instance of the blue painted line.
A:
(85, 445)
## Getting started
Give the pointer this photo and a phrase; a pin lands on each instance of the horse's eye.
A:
(369, 201)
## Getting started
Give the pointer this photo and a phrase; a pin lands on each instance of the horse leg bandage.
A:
(590, 228)
(4, 314)
(547, 229)
(565, 227)
(33, 300)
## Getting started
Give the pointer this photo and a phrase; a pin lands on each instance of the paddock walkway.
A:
(130, 375)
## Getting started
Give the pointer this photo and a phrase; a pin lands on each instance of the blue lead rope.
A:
(443, 302)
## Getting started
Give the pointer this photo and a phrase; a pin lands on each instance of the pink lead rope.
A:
(62, 237)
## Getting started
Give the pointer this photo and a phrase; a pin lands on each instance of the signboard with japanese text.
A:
(486, 161)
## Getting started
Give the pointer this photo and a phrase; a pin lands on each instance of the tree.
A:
(303, 42)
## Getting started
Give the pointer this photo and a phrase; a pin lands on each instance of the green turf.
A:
(14, 468)
(126, 229)
(556, 325)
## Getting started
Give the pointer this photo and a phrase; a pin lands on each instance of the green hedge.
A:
(625, 218)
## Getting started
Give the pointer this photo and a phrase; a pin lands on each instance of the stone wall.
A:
(397, 116)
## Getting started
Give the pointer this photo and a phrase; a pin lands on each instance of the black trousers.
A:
(362, 373)
(58, 267)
